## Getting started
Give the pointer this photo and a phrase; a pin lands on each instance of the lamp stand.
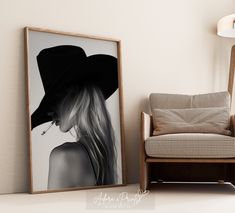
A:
(231, 71)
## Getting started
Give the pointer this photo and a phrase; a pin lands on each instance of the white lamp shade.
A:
(226, 26)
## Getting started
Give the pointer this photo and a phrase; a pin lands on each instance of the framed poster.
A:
(75, 111)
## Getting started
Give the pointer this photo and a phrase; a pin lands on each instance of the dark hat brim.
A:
(99, 70)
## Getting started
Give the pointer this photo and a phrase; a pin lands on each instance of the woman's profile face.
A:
(65, 111)
(64, 123)
(62, 118)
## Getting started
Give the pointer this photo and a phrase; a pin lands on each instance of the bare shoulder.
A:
(71, 155)
(70, 166)
(69, 150)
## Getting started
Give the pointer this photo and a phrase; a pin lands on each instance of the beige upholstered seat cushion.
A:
(190, 145)
(192, 120)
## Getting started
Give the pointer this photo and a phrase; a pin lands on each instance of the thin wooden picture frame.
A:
(62, 69)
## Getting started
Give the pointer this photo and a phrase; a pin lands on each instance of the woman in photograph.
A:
(76, 87)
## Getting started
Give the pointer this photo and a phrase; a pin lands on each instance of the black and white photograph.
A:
(75, 111)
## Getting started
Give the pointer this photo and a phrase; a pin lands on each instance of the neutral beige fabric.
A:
(177, 101)
(169, 101)
(192, 120)
(218, 99)
(190, 145)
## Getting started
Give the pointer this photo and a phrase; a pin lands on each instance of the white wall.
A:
(167, 46)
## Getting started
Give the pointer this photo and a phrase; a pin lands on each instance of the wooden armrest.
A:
(146, 131)
(232, 124)
(146, 126)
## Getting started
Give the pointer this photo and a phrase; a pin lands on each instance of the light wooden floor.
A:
(163, 198)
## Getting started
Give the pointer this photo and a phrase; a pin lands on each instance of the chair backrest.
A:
(177, 101)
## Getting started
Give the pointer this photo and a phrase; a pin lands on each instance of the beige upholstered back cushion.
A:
(192, 120)
(176, 101)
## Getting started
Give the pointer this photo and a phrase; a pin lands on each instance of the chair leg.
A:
(144, 176)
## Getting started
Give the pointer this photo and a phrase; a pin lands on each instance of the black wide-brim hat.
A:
(66, 66)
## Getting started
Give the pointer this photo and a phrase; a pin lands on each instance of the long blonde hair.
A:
(91, 121)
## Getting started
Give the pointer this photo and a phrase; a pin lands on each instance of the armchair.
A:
(191, 157)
